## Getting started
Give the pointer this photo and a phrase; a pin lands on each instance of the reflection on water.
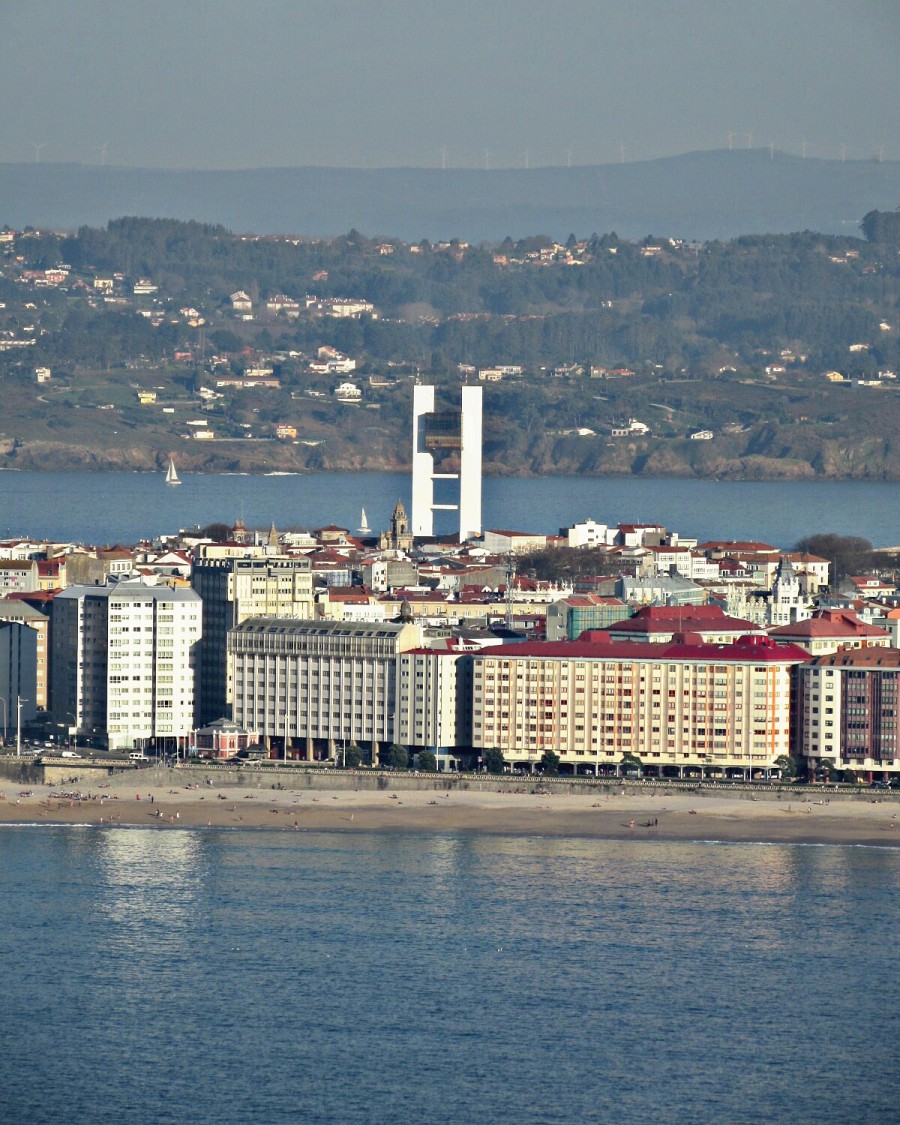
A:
(148, 884)
(171, 976)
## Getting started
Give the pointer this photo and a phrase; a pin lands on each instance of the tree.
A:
(550, 763)
(824, 770)
(396, 757)
(494, 761)
(787, 765)
(631, 763)
(848, 554)
(352, 756)
(427, 761)
(218, 532)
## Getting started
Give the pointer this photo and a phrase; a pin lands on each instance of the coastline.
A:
(658, 815)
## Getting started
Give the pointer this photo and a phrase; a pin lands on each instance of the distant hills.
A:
(703, 195)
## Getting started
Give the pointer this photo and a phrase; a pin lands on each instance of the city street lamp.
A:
(19, 702)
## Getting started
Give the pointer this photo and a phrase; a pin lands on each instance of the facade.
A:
(310, 686)
(123, 663)
(15, 609)
(456, 433)
(659, 624)
(683, 704)
(232, 590)
(848, 709)
(18, 675)
(568, 618)
(829, 630)
(222, 739)
(433, 703)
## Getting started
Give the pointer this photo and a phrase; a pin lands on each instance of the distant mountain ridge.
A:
(702, 195)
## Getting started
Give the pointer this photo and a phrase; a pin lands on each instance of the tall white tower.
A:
(446, 432)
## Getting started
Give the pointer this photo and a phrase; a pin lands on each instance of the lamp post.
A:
(19, 702)
(5, 718)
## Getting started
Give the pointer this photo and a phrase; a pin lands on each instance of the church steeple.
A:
(397, 537)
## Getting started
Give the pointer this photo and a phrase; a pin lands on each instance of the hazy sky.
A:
(246, 83)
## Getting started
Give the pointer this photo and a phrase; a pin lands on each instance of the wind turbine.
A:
(843, 154)
(487, 160)
(526, 157)
(803, 149)
(730, 139)
(37, 150)
(621, 154)
(443, 156)
(749, 137)
(569, 159)
(102, 149)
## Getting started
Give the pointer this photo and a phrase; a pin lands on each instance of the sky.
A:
(456, 83)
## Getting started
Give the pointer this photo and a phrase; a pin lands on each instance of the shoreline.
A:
(683, 817)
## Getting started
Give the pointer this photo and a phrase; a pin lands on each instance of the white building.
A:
(590, 534)
(456, 432)
(432, 709)
(122, 663)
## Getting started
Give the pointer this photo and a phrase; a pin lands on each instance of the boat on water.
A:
(364, 528)
(171, 475)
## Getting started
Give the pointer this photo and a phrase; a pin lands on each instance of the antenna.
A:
(37, 151)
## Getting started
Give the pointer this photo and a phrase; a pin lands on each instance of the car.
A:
(69, 754)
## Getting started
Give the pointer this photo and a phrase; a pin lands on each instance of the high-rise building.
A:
(676, 705)
(848, 710)
(453, 439)
(307, 687)
(122, 663)
(232, 590)
(18, 675)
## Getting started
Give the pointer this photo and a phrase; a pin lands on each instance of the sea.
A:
(173, 976)
(107, 508)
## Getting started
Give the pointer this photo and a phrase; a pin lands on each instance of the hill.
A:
(703, 195)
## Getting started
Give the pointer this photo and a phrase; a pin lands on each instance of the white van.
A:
(138, 757)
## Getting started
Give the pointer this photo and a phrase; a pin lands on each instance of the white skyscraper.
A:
(122, 662)
(454, 433)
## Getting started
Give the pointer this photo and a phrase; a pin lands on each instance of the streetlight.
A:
(19, 702)
(5, 717)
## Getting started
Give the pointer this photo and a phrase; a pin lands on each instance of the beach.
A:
(148, 799)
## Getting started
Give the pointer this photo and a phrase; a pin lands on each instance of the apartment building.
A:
(123, 663)
(20, 611)
(232, 590)
(308, 687)
(848, 709)
(433, 711)
(682, 704)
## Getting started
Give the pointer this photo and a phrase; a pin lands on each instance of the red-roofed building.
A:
(829, 630)
(677, 706)
(659, 624)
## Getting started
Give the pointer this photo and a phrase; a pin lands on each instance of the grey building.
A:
(233, 589)
(308, 687)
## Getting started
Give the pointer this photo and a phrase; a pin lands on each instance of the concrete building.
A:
(454, 435)
(569, 617)
(308, 687)
(233, 589)
(829, 630)
(659, 624)
(433, 703)
(675, 706)
(848, 710)
(123, 663)
(18, 676)
(18, 610)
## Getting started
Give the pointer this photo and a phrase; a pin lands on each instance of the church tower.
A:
(397, 537)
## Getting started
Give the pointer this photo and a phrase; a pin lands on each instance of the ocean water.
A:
(125, 507)
(214, 976)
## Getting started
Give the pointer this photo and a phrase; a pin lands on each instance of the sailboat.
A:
(171, 475)
(364, 528)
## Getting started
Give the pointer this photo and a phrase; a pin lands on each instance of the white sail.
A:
(171, 475)
(364, 528)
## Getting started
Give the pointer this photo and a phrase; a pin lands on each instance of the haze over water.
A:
(125, 507)
(216, 976)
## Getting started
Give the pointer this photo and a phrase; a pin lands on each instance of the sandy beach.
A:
(658, 814)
